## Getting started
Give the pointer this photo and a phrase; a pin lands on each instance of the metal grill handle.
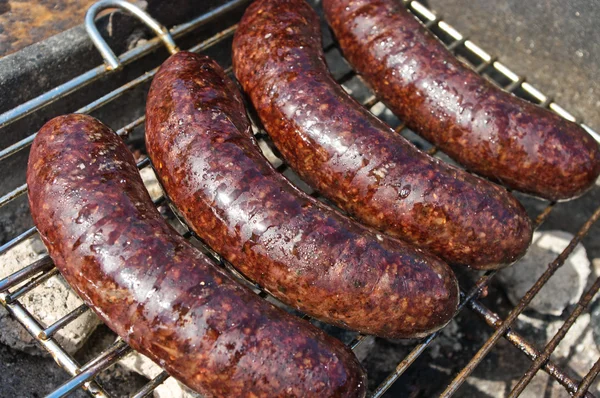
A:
(112, 61)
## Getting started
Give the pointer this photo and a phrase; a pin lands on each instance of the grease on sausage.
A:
(156, 291)
(356, 160)
(308, 255)
(488, 130)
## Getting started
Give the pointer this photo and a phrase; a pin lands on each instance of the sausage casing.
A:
(488, 130)
(156, 291)
(357, 161)
(201, 144)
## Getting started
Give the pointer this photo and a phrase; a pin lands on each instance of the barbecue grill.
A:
(14, 287)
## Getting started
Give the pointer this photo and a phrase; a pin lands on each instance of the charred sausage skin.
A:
(488, 130)
(356, 160)
(201, 144)
(155, 290)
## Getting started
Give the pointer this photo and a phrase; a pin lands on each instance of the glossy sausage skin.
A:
(355, 159)
(308, 255)
(483, 127)
(160, 294)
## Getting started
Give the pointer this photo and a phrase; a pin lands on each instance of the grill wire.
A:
(18, 284)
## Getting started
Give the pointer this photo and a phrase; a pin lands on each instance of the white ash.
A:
(151, 182)
(577, 347)
(48, 303)
(564, 287)
(171, 388)
(485, 388)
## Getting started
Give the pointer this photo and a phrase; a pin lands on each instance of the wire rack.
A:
(15, 286)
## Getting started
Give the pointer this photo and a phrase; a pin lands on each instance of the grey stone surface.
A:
(577, 348)
(566, 285)
(48, 303)
(554, 43)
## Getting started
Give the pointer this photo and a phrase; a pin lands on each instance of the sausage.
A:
(355, 159)
(160, 294)
(311, 257)
(486, 129)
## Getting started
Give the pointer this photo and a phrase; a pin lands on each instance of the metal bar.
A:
(422, 10)
(54, 95)
(370, 102)
(124, 131)
(64, 321)
(44, 264)
(402, 366)
(448, 29)
(534, 92)
(431, 23)
(588, 380)
(29, 286)
(400, 127)
(516, 80)
(515, 84)
(143, 163)
(500, 67)
(555, 107)
(493, 320)
(420, 348)
(489, 344)
(12, 195)
(63, 359)
(109, 56)
(151, 386)
(478, 51)
(558, 337)
(117, 346)
(92, 75)
(591, 132)
(17, 239)
(484, 65)
(455, 44)
(214, 39)
(360, 339)
(544, 215)
(118, 92)
(127, 129)
(109, 357)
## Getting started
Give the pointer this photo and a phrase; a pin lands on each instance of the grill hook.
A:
(112, 61)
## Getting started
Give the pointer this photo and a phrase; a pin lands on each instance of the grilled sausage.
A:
(160, 294)
(202, 147)
(488, 130)
(356, 160)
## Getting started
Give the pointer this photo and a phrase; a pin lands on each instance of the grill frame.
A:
(83, 376)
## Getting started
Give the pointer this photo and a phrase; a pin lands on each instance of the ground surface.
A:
(24, 22)
(555, 43)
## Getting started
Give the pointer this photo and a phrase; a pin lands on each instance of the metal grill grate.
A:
(18, 284)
